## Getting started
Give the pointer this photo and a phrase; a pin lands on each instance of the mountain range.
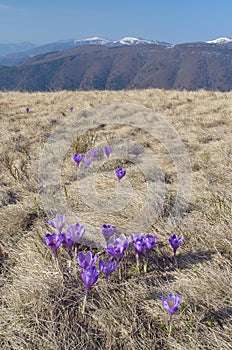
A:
(98, 63)
(11, 54)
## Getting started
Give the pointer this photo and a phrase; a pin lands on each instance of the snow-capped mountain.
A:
(15, 55)
(92, 41)
(127, 41)
(224, 40)
(130, 41)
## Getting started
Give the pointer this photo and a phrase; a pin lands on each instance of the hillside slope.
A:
(188, 66)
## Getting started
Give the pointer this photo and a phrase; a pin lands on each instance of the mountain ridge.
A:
(190, 66)
(11, 48)
(13, 56)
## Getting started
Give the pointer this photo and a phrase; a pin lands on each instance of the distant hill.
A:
(189, 66)
(6, 49)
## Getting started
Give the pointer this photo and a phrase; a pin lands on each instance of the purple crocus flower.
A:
(108, 231)
(27, 109)
(70, 109)
(140, 246)
(107, 151)
(93, 153)
(87, 260)
(75, 232)
(150, 242)
(58, 222)
(88, 161)
(107, 268)
(175, 243)
(77, 158)
(120, 173)
(171, 303)
(89, 277)
(118, 248)
(139, 243)
(53, 241)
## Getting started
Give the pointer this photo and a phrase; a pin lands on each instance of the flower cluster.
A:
(143, 244)
(115, 248)
(69, 239)
(120, 173)
(27, 109)
(92, 156)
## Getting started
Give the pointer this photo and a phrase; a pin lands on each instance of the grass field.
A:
(41, 303)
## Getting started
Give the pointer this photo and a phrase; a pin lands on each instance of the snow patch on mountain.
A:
(132, 41)
(92, 41)
(224, 40)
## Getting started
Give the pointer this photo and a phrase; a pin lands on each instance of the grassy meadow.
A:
(41, 303)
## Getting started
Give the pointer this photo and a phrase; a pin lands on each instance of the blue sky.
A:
(173, 21)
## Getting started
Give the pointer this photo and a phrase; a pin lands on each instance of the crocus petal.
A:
(101, 265)
(94, 260)
(178, 300)
(174, 309)
(164, 302)
(81, 257)
(171, 296)
(89, 276)
(59, 222)
(88, 256)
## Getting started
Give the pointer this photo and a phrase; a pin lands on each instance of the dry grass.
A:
(41, 304)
